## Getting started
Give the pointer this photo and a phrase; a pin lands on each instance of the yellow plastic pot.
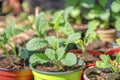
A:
(69, 75)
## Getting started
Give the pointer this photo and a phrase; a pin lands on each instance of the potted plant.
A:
(13, 66)
(76, 15)
(55, 63)
(107, 69)
(106, 29)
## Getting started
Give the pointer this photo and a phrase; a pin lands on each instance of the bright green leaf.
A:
(52, 41)
(38, 58)
(101, 64)
(41, 24)
(88, 3)
(66, 29)
(60, 52)
(67, 12)
(70, 59)
(103, 3)
(50, 53)
(117, 59)
(115, 7)
(36, 44)
(105, 58)
(105, 15)
(73, 37)
(117, 24)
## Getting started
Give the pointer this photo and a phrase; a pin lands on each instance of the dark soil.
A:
(98, 76)
(49, 67)
(16, 64)
(102, 75)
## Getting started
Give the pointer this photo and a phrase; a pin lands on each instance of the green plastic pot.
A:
(69, 75)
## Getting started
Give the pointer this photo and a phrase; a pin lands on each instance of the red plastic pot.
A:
(16, 75)
(113, 51)
(95, 53)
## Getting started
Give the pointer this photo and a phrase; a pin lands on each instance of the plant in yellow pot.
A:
(55, 63)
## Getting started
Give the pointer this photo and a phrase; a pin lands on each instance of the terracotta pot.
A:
(109, 35)
(16, 75)
(23, 74)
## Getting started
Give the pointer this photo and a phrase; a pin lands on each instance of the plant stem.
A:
(58, 65)
(7, 53)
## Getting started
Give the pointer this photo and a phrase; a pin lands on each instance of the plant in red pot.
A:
(105, 69)
(12, 65)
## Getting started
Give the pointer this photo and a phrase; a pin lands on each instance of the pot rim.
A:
(93, 52)
(106, 31)
(113, 51)
(67, 72)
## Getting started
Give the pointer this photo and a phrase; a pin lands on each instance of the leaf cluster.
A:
(56, 53)
(7, 38)
(90, 35)
(106, 62)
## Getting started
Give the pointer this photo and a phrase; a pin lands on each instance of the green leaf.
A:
(80, 42)
(69, 59)
(23, 52)
(41, 24)
(3, 39)
(105, 58)
(38, 58)
(56, 16)
(52, 41)
(118, 41)
(9, 30)
(115, 7)
(88, 3)
(57, 21)
(103, 3)
(73, 37)
(66, 29)
(25, 27)
(100, 64)
(94, 13)
(117, 59)
(70, 3)
(92, 26)
(117, 24)
(36, 44)
(67, 12)
(105, 15)
(50, 53)
(75, 13)
(60, 52)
